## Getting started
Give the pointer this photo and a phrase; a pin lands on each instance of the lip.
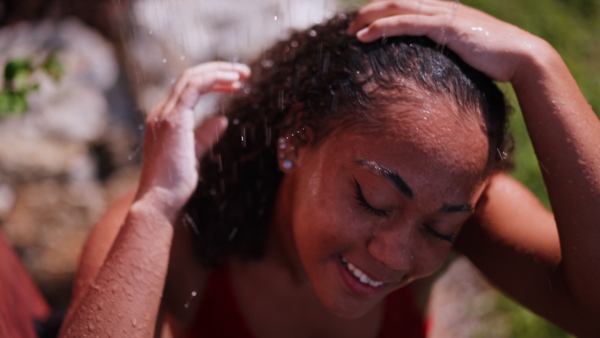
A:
(354, 285)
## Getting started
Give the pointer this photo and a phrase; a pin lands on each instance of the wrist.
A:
(156, 203)
(538, 60)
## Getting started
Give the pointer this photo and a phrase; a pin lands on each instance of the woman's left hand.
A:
(492, 46)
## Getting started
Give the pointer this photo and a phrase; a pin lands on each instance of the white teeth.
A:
(361, 276)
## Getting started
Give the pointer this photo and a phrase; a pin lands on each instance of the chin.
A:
(348, 308)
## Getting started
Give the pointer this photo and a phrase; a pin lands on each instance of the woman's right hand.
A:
(499, 49)
(172, 147)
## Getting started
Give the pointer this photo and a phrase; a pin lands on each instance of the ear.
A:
(292, 145)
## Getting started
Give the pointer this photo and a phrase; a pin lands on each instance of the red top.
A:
(219, 315)
(20, 300)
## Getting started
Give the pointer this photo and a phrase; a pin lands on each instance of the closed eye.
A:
(360, 200)
(437, 235)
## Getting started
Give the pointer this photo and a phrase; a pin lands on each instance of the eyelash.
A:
(360, 199)
(437, 235)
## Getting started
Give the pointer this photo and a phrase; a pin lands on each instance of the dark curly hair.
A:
(321, 79)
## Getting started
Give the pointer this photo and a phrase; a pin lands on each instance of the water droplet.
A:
(267, 63)
(182, 57)
(232, 234)
(188, 222)
(164, 60)
(220, 162)
(133, 153)
(236, 122)
(134, 322)
(243, 137)
(294, 43)
(312, 33)
(275, 18)
(187, 304)
(334, 101)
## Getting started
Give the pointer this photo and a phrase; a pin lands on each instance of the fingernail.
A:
(361, 33)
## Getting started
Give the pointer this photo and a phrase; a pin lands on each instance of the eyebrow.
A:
(405, 190)
(391, 176)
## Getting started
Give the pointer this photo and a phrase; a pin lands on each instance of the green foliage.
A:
(18, 83)
(524, 323)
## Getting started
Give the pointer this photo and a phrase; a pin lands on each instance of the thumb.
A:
(208, 134)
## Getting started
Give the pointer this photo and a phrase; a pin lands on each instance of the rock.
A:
(161, 47)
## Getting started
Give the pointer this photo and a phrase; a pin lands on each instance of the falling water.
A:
(192, 296)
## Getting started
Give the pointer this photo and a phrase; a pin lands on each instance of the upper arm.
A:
(98, 245)
(514, 241)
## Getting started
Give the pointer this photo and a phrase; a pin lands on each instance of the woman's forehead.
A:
(434, 137)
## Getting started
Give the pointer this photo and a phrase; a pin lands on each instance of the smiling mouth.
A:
(359, 275)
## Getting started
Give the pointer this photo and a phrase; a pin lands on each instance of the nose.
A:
(393, 247)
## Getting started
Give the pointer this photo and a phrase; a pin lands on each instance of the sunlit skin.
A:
(350, 197)
(342, 204)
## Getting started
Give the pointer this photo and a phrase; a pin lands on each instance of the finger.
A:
(201, 79)
(381, 9)
(195, 87)
(416, 25)
(208, 134)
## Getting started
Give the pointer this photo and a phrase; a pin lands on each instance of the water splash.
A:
(134, 153)
(384, 36)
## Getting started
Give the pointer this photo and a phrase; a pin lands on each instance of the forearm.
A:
(125, 296)
(565, 133)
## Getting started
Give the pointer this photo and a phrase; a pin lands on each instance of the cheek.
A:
(429, 257)
(325, 219)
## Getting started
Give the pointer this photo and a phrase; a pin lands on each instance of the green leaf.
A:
(17, 68)
(5, 103)
(12, 103)
(53, 67)
(19, 103)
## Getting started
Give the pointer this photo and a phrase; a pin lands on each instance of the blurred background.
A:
(80, 75)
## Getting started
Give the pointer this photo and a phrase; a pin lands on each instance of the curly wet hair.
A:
(321, 79)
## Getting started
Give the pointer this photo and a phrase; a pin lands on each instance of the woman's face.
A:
(370, 211)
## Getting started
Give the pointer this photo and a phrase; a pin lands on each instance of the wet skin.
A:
(389, 201)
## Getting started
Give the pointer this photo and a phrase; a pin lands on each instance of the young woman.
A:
(351, 163)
